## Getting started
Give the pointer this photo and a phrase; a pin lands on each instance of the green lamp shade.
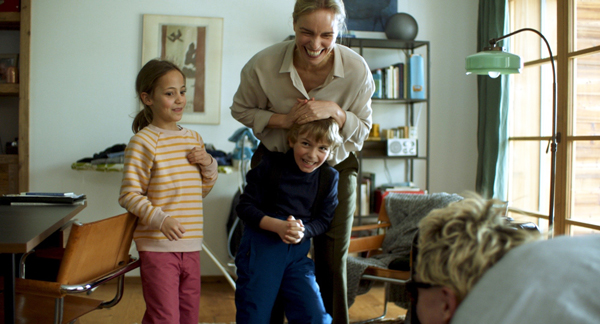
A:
(493, 63)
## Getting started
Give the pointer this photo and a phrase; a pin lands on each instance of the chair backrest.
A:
(383, 214)
(96, 248)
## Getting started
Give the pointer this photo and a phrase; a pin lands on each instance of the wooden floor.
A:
(216, 304)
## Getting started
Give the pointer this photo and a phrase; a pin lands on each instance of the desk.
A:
(22, 228)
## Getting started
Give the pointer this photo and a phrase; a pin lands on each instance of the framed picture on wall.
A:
(369, 16)
(195, 45)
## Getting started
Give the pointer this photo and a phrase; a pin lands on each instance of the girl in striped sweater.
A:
(167, 174)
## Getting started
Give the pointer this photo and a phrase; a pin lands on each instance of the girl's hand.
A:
(172, 229)
(198, 155)
(295, 231)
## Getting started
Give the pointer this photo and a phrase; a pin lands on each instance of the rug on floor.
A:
(399, 320)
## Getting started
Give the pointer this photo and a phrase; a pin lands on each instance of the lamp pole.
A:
(555, 139)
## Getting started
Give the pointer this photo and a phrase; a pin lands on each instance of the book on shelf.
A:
(395, 80)
(391, 82)
(364, 200)
(51, 194)
(398, 185)
(369, 178)
(398, 189)
(77, 202)
(405, 191)
(378, 79)
(396, 132)
(406, 82)
(383, 191)
(399, 81)
(41, 198)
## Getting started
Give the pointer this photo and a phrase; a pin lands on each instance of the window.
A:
(573, 30)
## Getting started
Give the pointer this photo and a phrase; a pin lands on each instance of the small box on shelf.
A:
(378, 79)
(402, 147)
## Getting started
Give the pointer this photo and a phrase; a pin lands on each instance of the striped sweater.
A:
(158, 181)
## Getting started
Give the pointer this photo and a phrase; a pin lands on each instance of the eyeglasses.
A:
(412, 289)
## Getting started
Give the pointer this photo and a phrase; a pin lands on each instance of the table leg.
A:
(8, 260)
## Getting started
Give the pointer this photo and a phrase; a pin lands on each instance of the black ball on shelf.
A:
(401, 26)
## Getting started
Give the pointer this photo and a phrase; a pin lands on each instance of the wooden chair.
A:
(371, 245)
(96, 253)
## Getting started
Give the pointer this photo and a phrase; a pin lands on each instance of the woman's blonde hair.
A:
(303, 7)
(146, 82)
(459, 243)
(326, 130)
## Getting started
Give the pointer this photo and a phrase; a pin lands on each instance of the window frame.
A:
(565, 60)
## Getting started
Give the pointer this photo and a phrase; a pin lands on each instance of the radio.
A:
(402, 147)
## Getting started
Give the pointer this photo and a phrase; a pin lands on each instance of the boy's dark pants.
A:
(265, 267)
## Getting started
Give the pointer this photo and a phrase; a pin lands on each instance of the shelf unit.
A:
(378, 149)
(14, 169)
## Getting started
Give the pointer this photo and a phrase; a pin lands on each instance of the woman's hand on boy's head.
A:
(311, 110)
(198, 155)
(294, 114)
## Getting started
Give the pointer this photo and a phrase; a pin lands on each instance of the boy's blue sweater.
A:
(295, 194)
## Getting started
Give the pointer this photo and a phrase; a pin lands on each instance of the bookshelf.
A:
(14, 168)
(408, 109)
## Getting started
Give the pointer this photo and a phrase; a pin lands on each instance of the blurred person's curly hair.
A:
(459, 243)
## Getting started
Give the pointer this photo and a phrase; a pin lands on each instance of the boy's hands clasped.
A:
(295, 231)
(291, 230)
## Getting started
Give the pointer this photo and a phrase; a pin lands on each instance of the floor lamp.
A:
(493, 61)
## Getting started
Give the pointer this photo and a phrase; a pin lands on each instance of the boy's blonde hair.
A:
(326, 130)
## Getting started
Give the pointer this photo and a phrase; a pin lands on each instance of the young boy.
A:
(289, 198)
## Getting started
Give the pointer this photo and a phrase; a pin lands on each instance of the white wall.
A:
(85, 56)
(451, 27)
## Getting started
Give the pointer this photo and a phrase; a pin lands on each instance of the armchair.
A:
(388, 251)
(96, 253)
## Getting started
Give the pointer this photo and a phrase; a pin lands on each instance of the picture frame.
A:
(195, 45)
(8, 61)
(369, 16)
